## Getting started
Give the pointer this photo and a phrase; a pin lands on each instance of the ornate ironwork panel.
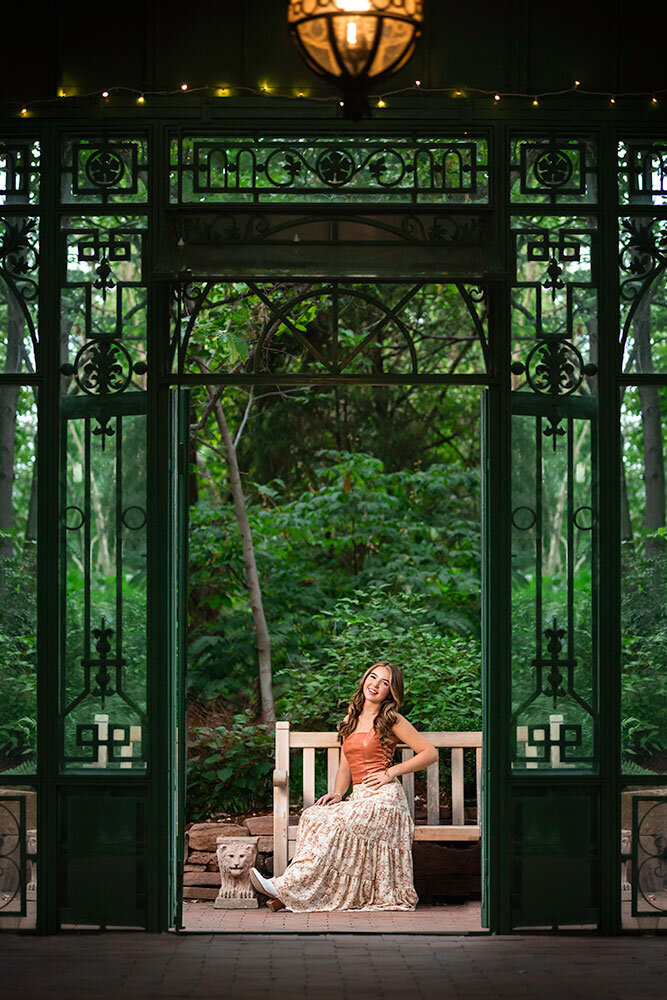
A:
(643, 284)
(18, 858)
(648, 855)
(331, 328)
(554, 494)
(555, 170)
(209, 168)
(101, 170)
(103, 501)
(19, 285)
(642, 171)
(19, 171)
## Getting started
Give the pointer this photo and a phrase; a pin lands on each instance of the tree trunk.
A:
(250, 568)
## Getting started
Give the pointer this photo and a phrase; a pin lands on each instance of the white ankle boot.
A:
(262, 884)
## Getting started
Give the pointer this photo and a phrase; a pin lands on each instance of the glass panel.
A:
(644, 580)
(375, 329)
(18, 858)
(103, 325)
(554, 296)
(343, 170)
(554, 592)
(19, 268)
(555, 858)
(103, 579)
(103, 858)
(102, 170)
(642, 170)
(643, 293)
(643, 872)
(553, 170)
(19, 171)
(554, 495)
(18, 579)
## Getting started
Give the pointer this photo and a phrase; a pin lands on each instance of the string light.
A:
(140, 96)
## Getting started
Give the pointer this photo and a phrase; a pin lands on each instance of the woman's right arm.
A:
(341, 784)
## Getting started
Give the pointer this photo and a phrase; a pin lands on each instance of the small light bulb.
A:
(184, 86)
(654, 100)
(536, 103)
(577, 83)
(341, 104)
(381, 104)
(612, 100)
(301, 94)
(418, 83)
(105, 93)
(62, 93)
(24, 111)
(222, 91)
(457, 93)
(141, 99)
(496, 97)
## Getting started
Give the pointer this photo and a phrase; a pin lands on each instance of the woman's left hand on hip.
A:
(377, 780)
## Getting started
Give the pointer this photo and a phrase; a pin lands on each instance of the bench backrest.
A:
(308, 743)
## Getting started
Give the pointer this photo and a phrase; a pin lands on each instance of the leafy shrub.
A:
(229, 764)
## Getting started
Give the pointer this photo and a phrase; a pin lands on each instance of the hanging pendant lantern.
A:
(355, 43)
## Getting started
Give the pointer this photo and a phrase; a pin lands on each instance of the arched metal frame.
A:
(121, 168)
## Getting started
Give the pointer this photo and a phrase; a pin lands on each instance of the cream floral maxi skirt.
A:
(353, 855)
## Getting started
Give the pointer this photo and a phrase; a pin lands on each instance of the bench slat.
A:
(458, 812)
(433, 793)
(441, 740)
(409, 782)
(468, 832)
(308, 776)
(333, 760)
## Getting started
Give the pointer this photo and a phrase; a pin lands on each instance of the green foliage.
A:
(229, 766)
(18, 680)
(442, 672)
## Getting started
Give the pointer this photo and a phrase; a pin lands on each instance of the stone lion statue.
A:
(236, 856)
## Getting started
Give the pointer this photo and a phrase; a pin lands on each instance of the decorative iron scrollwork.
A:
(104, 168)
(229, 170)
(540, 737)
(553, 168)
(13, 869)
(649, 855)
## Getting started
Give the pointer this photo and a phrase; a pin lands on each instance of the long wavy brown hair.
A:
(388, 714)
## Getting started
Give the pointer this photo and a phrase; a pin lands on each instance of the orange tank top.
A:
(366, 754)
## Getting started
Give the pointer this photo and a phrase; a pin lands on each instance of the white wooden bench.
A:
(284, 835)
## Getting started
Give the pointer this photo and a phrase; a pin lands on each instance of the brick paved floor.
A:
(135, 966)
(456, 919)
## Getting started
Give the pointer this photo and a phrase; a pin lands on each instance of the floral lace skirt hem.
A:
(353, 855)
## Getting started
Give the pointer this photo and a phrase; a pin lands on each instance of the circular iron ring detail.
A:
(104, 168)
(553, 168)
(524, 527)
(335, 166)
(73, 527)
(101, 368)
(584, 527)
(559, 368)
(128, 521)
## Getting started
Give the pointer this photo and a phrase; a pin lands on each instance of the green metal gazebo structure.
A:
(117, 216)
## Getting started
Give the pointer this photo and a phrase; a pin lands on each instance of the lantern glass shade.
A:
(354, 40)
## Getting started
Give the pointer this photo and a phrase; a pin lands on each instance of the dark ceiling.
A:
(517, 46)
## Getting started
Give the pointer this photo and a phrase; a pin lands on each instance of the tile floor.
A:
(134, 966)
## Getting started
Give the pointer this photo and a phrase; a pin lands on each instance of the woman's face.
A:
(376, 685)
